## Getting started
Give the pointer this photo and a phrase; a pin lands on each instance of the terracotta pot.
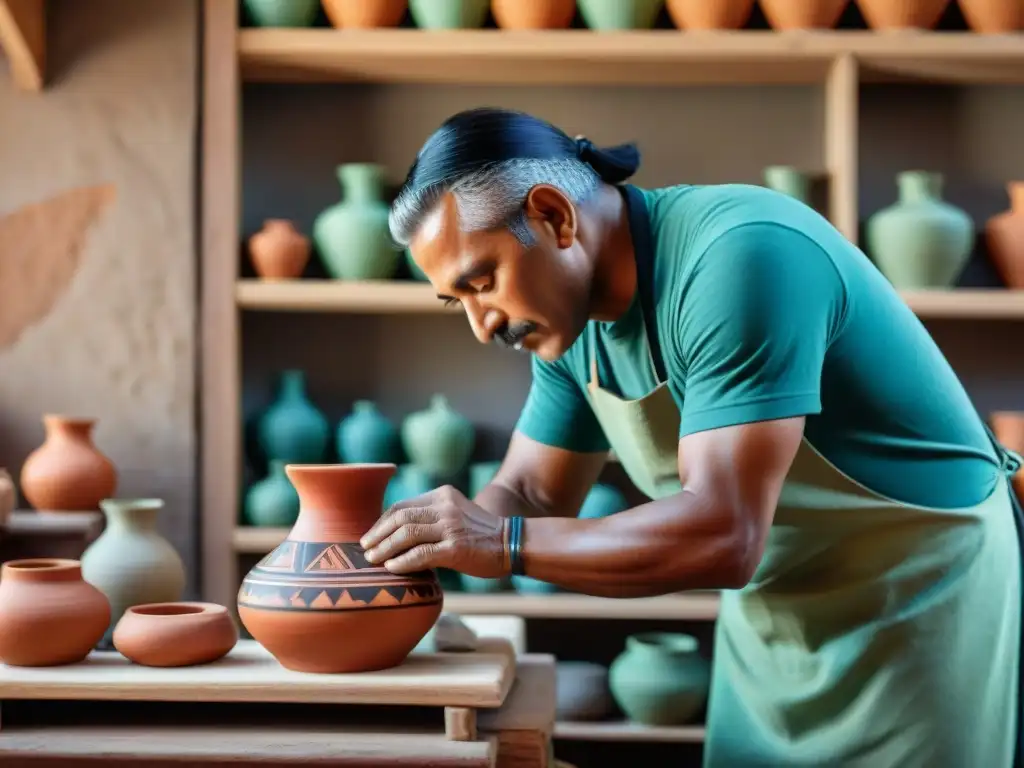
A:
(365, 14)
(279, 251)
(993, 16)
(701, 14)
(803, 14)
(1008, 427)
(67, 472)
(175, 634)
(314, 602)
(533, 14)
(902, 14)
(49, 615)
(8, 496)
(1004, 236)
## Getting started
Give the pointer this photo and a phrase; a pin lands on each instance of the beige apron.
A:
(874, 633)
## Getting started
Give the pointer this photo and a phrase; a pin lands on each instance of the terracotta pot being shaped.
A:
(279, 251)
(993, 16)
(49, 615)
(175, 634)
(902, 14)
(803, 14)
(1004, 237)
(67, 472)
(701, 14)
(533, 14)
(315, 603)
(364, 14)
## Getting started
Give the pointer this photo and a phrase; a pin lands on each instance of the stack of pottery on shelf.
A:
(921, 241)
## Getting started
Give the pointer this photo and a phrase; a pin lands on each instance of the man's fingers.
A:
(406, 537)
(392, 521)
(418, 558)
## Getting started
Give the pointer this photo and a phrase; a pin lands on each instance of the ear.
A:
(551, 209)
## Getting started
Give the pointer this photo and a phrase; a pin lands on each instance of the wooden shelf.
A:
(625, 731)
(395, 296)
(23, 38)
(655, 57)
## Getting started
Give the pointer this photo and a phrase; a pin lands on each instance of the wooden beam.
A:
(23, 37)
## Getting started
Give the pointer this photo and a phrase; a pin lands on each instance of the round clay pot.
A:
(891, 15)
(279, 251)
(533, 14)
(701, 14)
(175, 634)
(8, 496)
(315, 603)
(1008, 427)
(67, 472)
(993, 16)
(1004, 236)
(660, 679)
(803, 14)
(364, 14)
(49, 615)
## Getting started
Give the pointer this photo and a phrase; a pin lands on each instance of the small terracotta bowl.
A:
(175, 634)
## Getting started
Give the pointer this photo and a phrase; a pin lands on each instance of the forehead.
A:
(440, 246)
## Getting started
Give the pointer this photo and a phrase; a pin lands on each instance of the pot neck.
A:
(132, 514)
(69, 428)
(293, 385)
(340, 502)
(361, 182)
(662, 644)
(919, 186)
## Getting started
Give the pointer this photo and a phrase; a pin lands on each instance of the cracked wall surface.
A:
(97, 247)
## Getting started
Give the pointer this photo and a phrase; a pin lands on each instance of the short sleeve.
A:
(756, 316)
(557, 411)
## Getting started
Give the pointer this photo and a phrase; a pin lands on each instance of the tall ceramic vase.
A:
(921, 241)
(616, 15)
(315, 603)
(292, 429)
(449, 14)
(1004, 236)
(352, 236)
(131, 563)
(660, 679)
(67, 472)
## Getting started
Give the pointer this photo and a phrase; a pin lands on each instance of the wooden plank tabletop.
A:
(250, 674)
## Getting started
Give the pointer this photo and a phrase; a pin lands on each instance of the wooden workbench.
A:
(486, 709)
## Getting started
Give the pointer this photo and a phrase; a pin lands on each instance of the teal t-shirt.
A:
(765, 311)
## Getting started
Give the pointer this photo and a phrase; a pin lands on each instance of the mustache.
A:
(511, 334)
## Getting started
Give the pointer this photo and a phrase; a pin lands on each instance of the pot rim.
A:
(341, 467)
(75, 421)
(671, 642)
(187, 608)
(38, 564)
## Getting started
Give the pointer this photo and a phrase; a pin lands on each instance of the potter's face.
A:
(535, 299)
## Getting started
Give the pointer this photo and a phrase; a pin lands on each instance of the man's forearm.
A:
(673, 544)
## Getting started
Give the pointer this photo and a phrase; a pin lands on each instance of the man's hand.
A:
(441, 528)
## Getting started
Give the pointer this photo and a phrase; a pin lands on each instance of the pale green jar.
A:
(438, 439)
(130, 562)
(352, 237)
(921, 241)
(282, 13)
(660, 679)
(619, 15)
(449, 14)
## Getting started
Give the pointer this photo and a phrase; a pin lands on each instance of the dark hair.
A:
(473, 146)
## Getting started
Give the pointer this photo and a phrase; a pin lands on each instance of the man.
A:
(806, 447)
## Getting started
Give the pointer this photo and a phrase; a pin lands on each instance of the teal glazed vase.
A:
(449, 14)
(437, 439)
(602, 500)
(272, 502)
(408, 482)
(366, 436)
(789, 181)
(352, 236)
(618, 15)
(921, 241)
(292, 429)
(282, 13)
(660, 679)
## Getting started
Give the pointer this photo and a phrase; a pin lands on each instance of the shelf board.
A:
(626, 731)
(651, 57)
(967, 303)
(368, 296)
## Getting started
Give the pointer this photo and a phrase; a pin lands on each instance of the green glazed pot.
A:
(272, 502)
(282, 13)
(920, 241)
(130, 562)
(449, 14)
(292, 429)
(660, 678)
(352, 237)
(438, 440)
(366, 436)
(789, 181)
(617, 15)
